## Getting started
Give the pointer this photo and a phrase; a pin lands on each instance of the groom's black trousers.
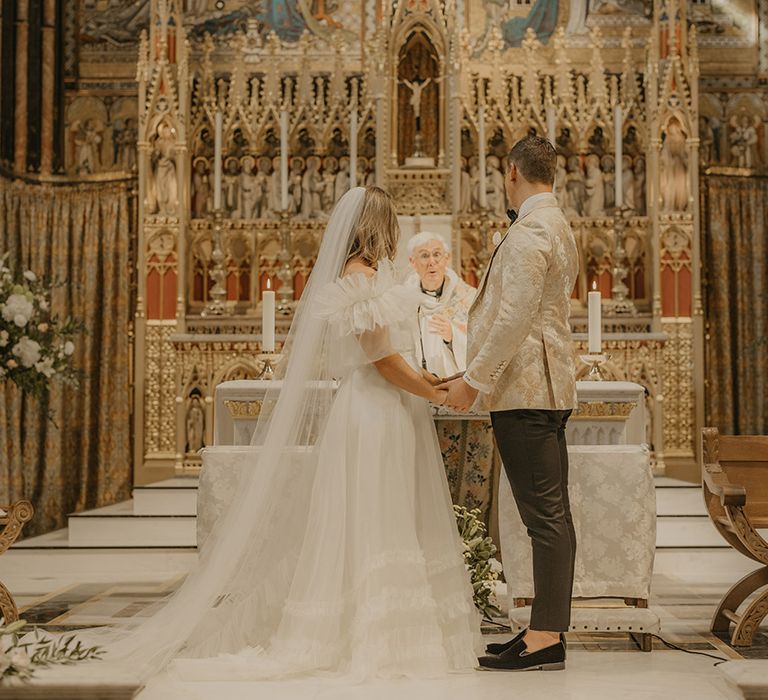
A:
(532, 446)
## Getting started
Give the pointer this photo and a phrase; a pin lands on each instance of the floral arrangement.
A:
(20, 660)
(35, 346)
(483, 567)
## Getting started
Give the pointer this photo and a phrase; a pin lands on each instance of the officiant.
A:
(445, 300)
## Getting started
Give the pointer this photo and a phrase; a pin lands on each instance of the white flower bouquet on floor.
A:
(20, 658)
(35, 346)
(483, 567)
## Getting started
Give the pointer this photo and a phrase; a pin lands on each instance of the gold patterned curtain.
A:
(79, 235)
(735, 240)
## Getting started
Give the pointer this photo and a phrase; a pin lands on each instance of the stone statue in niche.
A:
(231, 187)
(341, 185)
(597, 141)
(163, 186)
(743, 139)
(88, 139)
(561, 180)
(124, 138)
(305, 144)
(368, 146)
(465, 187)
(594, 187)
(263, 182)
(639, 172)
(271, 144)
(631, 143)
(607, 163)
(673, 164)
(275, 187)
(565, 143)
(207, 147)
(295, 184)
(370, 178)
(201, 188)
(496, 195)
(575, 186)
(338, 145)
(330, 168)
(239, 144)
(312, 187)
(497, 145)
(195, 424)
(250, 195)
(628, 182)
(467, 144)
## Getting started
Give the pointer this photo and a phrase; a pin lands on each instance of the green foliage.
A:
(20, 659)
(479, 551)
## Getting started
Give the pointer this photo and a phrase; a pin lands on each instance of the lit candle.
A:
(595, 320)
(268, 319)
(551, 135)
(217, 162)
(284, 160)
(483, 200)
(353, 143)
(618, 157)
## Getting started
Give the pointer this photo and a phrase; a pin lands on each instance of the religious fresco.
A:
(513, 18)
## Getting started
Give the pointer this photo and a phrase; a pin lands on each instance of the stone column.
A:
(48, 86)
(20, 116)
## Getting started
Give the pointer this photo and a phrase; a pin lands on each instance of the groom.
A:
(519, 358)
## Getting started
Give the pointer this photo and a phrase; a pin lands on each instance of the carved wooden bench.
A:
(734, 472)
(12, 520)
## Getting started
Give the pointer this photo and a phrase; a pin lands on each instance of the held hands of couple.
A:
(461, 395)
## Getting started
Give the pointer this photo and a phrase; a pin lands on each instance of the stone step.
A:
(119, 526)
(170, 497)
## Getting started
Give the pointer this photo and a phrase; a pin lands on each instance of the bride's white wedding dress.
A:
(340, 552)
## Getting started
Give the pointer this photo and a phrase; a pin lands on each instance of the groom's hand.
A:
(461, 396)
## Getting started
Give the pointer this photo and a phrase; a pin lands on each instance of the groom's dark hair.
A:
(535, 158)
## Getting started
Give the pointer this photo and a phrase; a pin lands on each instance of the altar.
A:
(611, 487)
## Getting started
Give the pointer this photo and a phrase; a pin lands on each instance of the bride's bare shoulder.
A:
(357, 265)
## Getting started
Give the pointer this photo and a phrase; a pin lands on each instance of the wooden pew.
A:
(12, 520)
(734, 471)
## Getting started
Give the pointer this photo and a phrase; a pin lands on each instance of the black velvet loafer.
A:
(497, 649)
(550, 658)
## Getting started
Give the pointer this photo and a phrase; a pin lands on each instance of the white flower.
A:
(42, 327)
(29, 275)
(4, 336)
(44, 305)
(5, 662)
(495, 565)
(46, 367)
(28, 351)
(69, 347)
(18, 309)
(20, 659)
(497, 238)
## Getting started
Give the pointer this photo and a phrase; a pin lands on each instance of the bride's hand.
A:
(440, 397)
(433, 379)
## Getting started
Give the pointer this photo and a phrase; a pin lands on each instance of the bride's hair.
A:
(377, 231)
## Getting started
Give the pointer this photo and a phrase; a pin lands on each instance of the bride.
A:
(340, 552)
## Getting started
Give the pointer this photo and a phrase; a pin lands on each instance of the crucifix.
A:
(417, 87)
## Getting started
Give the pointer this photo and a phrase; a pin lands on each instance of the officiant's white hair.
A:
(421, 239)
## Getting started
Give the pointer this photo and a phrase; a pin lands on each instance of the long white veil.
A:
(233, 597)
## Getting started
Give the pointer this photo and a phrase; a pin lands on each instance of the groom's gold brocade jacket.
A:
(519, 344)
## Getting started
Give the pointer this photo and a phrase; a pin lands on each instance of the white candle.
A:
(284, 160)
(217, 162)
(353, 144)
(268, 319)
(481, 156)
(551, 135)
(618, 139)
(595, 320)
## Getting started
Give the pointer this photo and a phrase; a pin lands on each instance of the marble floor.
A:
(599, 666)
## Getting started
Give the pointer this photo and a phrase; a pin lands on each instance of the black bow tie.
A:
(512, 214)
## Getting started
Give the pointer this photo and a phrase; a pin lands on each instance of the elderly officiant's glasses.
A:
(436, 255)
